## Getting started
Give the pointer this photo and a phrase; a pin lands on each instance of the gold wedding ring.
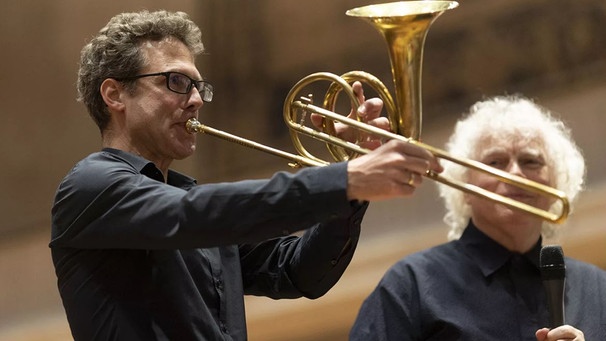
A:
(411, 179)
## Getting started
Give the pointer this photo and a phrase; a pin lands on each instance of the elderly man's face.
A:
(519, 156)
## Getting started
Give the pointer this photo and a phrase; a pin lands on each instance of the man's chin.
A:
(517, 215)
(187, 152)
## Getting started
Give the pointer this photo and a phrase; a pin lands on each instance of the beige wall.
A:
(257, 50)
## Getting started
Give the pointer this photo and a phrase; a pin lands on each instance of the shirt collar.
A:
(490, 255)
(150, 170)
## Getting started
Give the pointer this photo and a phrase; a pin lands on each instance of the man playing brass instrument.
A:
(485, 284)
(142, 252)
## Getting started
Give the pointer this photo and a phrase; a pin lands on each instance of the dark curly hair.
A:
(115, 51)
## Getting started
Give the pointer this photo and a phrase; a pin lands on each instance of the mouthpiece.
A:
(193, 126)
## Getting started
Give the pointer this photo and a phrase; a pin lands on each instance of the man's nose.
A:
(514, 168)
(194, 99)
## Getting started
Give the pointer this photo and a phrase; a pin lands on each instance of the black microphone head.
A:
(552, 262)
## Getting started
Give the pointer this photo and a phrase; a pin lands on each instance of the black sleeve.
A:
(391, 311)
(99, 206)
(307, 266)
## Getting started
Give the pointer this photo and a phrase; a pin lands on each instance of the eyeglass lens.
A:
(182, 84)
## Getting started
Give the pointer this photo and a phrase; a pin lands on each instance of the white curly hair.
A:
(511, 117)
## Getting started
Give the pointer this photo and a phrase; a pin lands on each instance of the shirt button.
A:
(219, 284)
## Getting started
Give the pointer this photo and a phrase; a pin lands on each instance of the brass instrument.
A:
(404, 26)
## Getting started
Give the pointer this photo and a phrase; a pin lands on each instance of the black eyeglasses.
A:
(180, 83)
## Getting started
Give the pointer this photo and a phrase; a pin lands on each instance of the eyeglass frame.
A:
(200, 85)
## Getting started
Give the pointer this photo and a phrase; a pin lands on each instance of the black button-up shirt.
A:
(475, 289)
(140, 259)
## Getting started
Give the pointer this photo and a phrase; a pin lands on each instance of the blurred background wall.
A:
(552, 51)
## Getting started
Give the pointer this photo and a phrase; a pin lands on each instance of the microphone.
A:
(553, 274)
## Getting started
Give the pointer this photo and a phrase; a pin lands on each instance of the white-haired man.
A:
(485, 284)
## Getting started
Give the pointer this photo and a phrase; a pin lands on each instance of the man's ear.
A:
(113, 92)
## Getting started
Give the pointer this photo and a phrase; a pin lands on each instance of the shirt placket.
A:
(219, 285)
(528, 291)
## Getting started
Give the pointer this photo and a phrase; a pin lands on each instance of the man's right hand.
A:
(564, 332)
(392, 170)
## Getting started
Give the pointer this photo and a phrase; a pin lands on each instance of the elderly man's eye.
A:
(499, 163)
(532, 162)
